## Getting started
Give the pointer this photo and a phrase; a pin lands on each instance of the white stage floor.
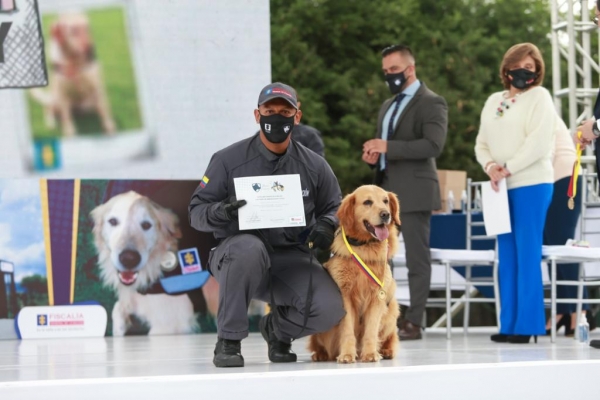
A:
(180, 367)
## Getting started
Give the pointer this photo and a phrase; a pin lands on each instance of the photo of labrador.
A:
(133, 237)
(76, 83)
(368, 332)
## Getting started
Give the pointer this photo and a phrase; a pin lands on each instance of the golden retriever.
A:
(133, 237)
(76, 83)
(368, 331)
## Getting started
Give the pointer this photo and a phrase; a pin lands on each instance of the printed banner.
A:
(125, 245)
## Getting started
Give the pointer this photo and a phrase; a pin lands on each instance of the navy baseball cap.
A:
(278, 90)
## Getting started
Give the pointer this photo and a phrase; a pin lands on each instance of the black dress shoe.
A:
(228, 353)
(409, 331)
(521, 339)
(499, 338)
(279, 352)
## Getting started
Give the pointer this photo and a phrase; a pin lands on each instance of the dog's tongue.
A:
(381, 232)
(127, 277)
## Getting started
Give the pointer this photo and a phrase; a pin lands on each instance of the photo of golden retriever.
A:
(76, 83)
(133, 237)
(369, 217)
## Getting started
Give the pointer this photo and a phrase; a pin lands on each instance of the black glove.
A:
(231, 206)
(321, 235)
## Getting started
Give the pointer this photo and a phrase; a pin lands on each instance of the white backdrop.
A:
(200, 66)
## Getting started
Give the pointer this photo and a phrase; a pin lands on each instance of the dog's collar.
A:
(155, 288)
(356, 242)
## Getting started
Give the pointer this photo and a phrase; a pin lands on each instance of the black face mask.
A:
(276, 127)
(522, 78)
(395, 82)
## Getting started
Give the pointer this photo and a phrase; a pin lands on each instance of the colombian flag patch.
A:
(204, 181)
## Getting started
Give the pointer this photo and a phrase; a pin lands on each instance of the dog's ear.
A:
(169, 222)
(394, 207)
(56, 31)
(346, 211)
(97, 215)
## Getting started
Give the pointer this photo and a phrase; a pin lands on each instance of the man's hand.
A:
(321, 235)
(370, 158)
(375, 146)
(231, 206)
(587, 134)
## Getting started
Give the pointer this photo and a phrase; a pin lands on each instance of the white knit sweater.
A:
(523, 138)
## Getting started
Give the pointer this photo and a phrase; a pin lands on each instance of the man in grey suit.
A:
(411, 132)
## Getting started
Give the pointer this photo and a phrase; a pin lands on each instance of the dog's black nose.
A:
(385, 216)
(130, 258)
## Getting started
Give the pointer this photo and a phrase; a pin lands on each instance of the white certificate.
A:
(272, 201)
(496, 212)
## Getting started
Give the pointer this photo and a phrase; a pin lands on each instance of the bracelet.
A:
(490, 165)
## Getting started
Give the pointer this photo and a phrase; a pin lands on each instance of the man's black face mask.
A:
(276, 127)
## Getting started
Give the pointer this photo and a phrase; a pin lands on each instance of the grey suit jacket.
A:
(418, 139)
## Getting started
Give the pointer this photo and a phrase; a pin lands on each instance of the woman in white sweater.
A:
(515, 142)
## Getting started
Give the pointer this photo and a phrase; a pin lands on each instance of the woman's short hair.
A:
(516, 54)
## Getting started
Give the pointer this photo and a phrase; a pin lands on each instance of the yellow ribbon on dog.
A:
(364, 267)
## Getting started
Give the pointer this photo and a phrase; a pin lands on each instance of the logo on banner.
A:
(256, 186)
(61, 321)
(189, 259)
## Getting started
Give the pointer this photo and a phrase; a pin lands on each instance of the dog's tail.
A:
(41, 96)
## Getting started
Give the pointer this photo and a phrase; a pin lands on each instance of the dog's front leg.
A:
(66, 117)
(108, 123)
(347, 337)
(119, 320)
(370, 340)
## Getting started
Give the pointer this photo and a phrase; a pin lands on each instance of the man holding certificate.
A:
(265, 198)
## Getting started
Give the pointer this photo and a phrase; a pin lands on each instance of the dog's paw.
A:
(387, 354)
(110, 127)
(346, 359)
(320, 356)
(370, 357)
(69, 130)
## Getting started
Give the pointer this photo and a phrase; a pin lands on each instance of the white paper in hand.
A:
(496, 214)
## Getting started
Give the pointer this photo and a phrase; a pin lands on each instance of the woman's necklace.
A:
(506, 103)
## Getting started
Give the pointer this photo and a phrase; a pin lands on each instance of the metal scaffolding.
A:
(572, 29)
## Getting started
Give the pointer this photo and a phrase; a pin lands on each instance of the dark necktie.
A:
(390, 130)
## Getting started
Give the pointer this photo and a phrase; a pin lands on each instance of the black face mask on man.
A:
(396, 81)
(522, 78)
(276, 127)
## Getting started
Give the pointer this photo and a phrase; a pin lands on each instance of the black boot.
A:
(279, 352)
(228, 353)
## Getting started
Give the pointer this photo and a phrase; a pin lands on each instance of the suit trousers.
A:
(415, 231)
(307, 300)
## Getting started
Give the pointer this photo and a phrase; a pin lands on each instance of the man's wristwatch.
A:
(595, 129)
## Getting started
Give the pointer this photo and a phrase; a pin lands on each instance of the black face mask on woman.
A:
(276, 127)
(522, 78)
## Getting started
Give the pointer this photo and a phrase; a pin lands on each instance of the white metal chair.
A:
(469, 258)
(589, 226)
